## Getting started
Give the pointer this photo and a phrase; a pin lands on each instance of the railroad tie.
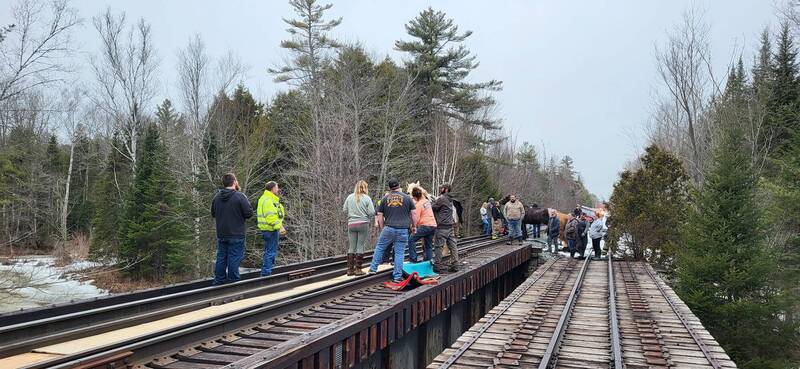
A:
(654, 349)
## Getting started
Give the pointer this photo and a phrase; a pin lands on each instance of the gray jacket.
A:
(443, 211)
(358, 211)
(598, 228)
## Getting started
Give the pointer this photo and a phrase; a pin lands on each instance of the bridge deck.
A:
(280, 322)
(562, 317)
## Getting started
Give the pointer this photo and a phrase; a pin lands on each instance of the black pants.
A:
(596, 246)
(582, 243)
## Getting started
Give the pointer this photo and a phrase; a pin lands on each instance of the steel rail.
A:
(697, 339)
(92, 328)
(504, 306)
(566, 314)
(77, 306)
(192, 332)
(616, 346)
(398, 314)
(22, 336)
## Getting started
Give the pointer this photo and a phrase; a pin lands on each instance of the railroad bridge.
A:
(503, 309)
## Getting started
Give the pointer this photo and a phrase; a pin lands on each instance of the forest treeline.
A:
(88, 154)
(714, 199)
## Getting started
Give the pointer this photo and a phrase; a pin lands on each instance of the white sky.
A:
(579, 76)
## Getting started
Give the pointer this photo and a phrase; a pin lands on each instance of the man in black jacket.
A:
(443, 212)
(497, 218)
(230, 208)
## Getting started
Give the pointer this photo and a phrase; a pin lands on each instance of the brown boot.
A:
(351, 261)
(358, 260)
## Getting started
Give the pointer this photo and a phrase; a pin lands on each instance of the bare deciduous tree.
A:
(683, 68)
(37, 46)
(125, 74)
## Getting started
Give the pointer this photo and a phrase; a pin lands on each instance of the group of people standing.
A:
(510, 217)
(577, 231)
(402, 220)
(230, 210)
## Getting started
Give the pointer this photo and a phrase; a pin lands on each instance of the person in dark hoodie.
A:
(229, 208)
(583, 241)
(443, 212)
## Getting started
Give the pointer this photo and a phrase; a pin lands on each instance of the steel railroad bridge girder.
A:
(407, 331)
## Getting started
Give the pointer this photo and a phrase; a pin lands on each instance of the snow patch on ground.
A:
(34, 281)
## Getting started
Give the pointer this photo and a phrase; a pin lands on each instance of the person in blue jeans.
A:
(395, 217)
(514, 211)
(270, 215)
(229, 208)
(571, 233)
(426, 225)
(487, 225)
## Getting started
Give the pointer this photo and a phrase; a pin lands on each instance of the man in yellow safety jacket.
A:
(270, 222)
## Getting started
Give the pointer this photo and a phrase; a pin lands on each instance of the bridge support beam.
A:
(408, 332)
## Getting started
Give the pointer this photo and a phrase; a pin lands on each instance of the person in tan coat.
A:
(514, 211)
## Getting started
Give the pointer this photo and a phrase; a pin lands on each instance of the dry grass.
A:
(76, 248)
(115, 282)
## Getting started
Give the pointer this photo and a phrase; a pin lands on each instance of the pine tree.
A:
(81, 204)
(108, 201)
(763, 68)
(310, 44)
(783, 204)
(648, 207)
(152, 240)
(168, 119)
(783, 102)
(725, 275)
(441, 64)
(55, 164)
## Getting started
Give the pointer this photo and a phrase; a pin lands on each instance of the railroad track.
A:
(657, 329)
(338, 297)
(590, 314)
(21, 331)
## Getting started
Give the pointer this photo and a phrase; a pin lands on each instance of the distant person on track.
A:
(497, 218)
(571, 233)
(583, 228)
(444, 212)
(359, 209)
(229, 208)
(270, 223)
(425, 226)
(395, 217)
(553, 228)
(514, 211)
(487, 224)
(597, 230)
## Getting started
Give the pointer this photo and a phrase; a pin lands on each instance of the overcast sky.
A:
(579, 76)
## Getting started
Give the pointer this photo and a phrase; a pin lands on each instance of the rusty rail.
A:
(697, 339)
(550, 355)
(504, 306)
(616, 346)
